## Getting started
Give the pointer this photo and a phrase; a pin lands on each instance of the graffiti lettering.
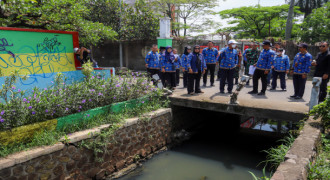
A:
(4, 44)
(43, 61)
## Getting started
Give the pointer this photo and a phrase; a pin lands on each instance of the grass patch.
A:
(47, 137)
(320, 169)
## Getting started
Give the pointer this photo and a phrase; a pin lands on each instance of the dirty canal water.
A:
(208, 155)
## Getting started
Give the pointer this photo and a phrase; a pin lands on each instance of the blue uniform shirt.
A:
(168, 64)
(152, 59)
(265, 59)
(192, 58)
(244, 57)
(210, 55)
(281, 63)
(228, 58)
(184, 61)
(178, 62)
(304, 62)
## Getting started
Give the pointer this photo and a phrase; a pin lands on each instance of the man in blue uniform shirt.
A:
(152, 61)
(301, 67)
(228, 60)
(280, 67)
(210, 56)
(184, 62)
(263, 67)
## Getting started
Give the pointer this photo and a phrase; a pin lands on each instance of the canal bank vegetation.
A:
(20, 108)
(320, 168)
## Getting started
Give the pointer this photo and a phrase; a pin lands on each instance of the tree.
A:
(306, 6)
(288, 29)
(256, 21)
(138, 22)
(316, 26)
(66, 15)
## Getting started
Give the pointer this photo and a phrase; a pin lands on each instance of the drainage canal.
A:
(216, 147)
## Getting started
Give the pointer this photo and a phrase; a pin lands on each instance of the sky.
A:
(229, 4)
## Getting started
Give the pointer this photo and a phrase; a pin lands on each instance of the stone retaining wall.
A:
(301, 153)
(135, 139)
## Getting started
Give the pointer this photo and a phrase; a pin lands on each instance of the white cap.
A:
(232, 42)
(75, 50)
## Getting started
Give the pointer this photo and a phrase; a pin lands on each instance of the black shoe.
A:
(184, 86)
(283, 89)
(212, 84)
(252, 92)
(293, 96)
(218, 79)
(261, 93)
(204, 85)
(222, 92)
(298, 97)
(272, 89)
(268, 85)
(248, 84)
(230, 92)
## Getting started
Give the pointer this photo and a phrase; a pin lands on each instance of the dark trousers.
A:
(177, 77)
(323, 90)
(227, 74)
(269, 76)
(185, 78)
(282, 79)
(194, 81)
(258, 73)
(298, 85)
(152, 72)
(162, 77)
(211, 68)
(170, 80)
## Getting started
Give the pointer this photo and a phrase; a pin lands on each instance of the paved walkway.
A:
(274, 100)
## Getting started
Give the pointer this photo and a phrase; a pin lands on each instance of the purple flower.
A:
(35, 96)
(93, 77)
(13, 87)
(100, 94)
(114, 97)
(58, 105)
(78, 110)
(28, 102)
(38, 100)
(90, 100)
(80, 107)
(30, 98)
(2, 120)
(98, 77)
(46, 111)
(142, 102)
(2, 112)
(52, 82)
(92, 90)
(88, 115)
(30, 107)
(33, 112)
(24, 99)
(67, 109)
(19, 90)
(117, 85)
(45, 89)
(63, 83)
(103, 86)
(83, 101)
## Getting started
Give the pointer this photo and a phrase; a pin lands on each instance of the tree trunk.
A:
(288, 29)
(185, 27)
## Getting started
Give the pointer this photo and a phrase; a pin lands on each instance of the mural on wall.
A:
(40, 55)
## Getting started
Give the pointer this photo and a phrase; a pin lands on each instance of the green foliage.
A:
(67, 15)
(264, 177)
(137, 22)
(316, 26)
(322, 111)
(276, 155)
(258, 22)
(87, 69)
(63, 99)
(320, 169)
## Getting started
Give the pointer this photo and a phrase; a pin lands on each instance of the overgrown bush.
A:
(21, 108)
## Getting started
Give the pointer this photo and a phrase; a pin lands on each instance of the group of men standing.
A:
(258, 64)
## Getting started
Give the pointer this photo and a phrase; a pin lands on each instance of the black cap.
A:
(304, 45)
(280, 49)
(266, 42)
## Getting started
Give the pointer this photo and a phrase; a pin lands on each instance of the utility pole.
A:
(289, 22)
(120, 43)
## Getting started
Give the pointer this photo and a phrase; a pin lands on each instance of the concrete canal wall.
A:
(137, 138)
